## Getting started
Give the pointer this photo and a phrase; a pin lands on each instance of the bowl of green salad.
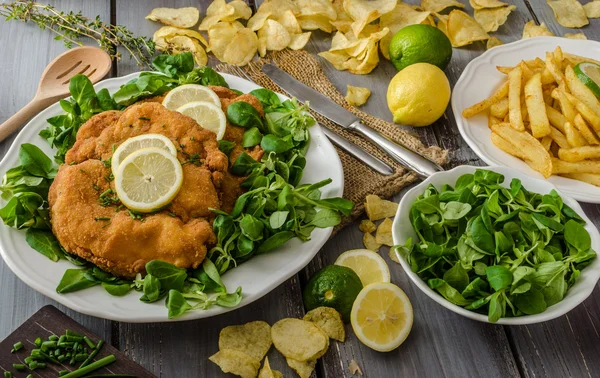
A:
(497, 246)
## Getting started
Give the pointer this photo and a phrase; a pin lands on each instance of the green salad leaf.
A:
(502, 251)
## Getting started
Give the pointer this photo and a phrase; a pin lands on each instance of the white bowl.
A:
(583, 287)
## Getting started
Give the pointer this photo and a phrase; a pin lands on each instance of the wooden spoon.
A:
(54, 84)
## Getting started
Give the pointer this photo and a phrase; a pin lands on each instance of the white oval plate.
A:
(583, 287)
(257, 277)
(480, 79)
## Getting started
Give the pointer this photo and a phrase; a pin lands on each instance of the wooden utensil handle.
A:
(19, 119)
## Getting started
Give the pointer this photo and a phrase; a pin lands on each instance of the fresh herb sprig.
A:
(72, 27)
(498, 250)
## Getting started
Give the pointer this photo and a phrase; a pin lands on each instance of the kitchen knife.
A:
(421, 165)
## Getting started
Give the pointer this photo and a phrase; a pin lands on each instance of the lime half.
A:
(589, 74)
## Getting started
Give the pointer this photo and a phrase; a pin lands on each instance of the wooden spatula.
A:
(54, 84)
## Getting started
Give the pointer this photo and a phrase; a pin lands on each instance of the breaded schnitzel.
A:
(85, 214)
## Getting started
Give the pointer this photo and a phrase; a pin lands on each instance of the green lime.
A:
(420, 44)
(333, 286)
(589, 74)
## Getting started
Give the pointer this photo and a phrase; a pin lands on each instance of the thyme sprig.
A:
(71, 27)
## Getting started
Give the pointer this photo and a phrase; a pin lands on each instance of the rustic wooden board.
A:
(48, 321)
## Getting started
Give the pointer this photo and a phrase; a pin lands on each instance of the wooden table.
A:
(442, 344)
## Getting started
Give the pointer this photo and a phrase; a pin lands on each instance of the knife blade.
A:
(323, 105)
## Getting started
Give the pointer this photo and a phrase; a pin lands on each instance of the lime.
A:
(333, 286)
(418, 95)
(589, 74)
(420, 44)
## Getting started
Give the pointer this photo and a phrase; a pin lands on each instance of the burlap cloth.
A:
(359, 179)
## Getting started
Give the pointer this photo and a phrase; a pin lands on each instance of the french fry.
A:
(505, 70)
(590, 178)
(554, 69)
(500, 108)
(547, 77)
(546, 142)
(560, 167)
(579, 90)
(585, 111)
(536, 108)
(485, 104)
(576, 154)
(559, 138)
(558, 55)
(526, 72)
(576, 59)
(493, 120)
(573, 136)
(506, 146)
(567, 108)
(556, 118)
(585, 130)
(514, 99)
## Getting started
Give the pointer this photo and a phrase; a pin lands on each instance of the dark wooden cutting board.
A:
(49, 320)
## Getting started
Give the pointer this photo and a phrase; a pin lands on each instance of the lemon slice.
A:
(137, 143)
(369, 266)
(187, 93)
(208, 115)
(381, 316)
(589, 74)
(148, 179)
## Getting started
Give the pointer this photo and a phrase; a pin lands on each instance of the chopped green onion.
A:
(93, 354)
(89, 342)
(19, 367)
(8, 374)
(91, 367)
(17, 346)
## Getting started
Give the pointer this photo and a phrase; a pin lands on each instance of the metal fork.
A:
(343, 143)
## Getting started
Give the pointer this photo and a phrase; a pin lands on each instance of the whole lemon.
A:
(418, 95)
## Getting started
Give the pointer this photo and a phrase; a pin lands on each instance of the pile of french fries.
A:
(544, 115)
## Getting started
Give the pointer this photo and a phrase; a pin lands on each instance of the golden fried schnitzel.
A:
(88, 220)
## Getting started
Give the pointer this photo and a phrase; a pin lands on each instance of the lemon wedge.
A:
(208, 115)
(368, 265)
(148, 179)
(381, 316)
(139, 142)
(187, 93)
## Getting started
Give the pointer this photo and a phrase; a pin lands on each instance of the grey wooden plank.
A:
(25, 52)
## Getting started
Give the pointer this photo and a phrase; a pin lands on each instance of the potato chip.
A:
(370, 243)
(392, 253)
(463, 30)
(343, 22)
(181, 43)
(289, 22)
(242, 48)
(317, 8)
(357, 96)
(402, 15)
(253, 338)
(367, 225)
(493, 42)
(241, 10)
(491, 19)
(180, 17)
(440, 5)
(304, 369)
(336, 58)
(378, 208)
(592, 9)
(161, 34)
(575, 35)
(298, 339)
(315, 22)
(384, 233)
(483, 4)
(568, 13)
(267, 372)
(442, 25)
(364, 12)
(258, 20)
(273, 36)
(277, 7)
(531, 30)
(219, 10)
(299, 40)
(220, 35)
(236, 362)
(354, 368)
(329, 320)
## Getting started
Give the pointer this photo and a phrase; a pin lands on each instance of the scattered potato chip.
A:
(354, 368)
(180, 17)
(314, 8)
(298, 339)
(568, 13)
(442, 24)
(575, 35)
(273, 37)
(370, 243)
(367, 225)
(220, 35)
(253, 338)
(329, 320)
(384, 233)
(393, 255)
(493, 42)
(463, 30)
(592, 9)
(290, 22)
(315, 22)
(220, 10)
(364, 12)
(236, 362)
(181, 43)
(378, 208)
(299, 40)
(165, 32)
(267, 372)
(357, 55)
(277, 7)
(242, 48)
(440, 5)
(491, 19)
(357, 96)
(304, 369)
(532, 30)
(483, 4)
(343, 22)
(402, 15)
(258, 20)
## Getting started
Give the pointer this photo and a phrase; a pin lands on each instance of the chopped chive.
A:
(53, 338)
(96, 219)
(91, 367)
(89, 342)
(38, 342)
(93, 354)
(17, 346)
(69, 332)
(19, 367)
(144, 118)
(63, 372)
(8, 374)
